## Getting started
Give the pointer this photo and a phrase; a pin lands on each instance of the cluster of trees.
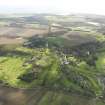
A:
(42, 42)
(35, 42)
(86, 51)
(28, 77)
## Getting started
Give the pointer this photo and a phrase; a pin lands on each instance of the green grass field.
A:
(48, 71)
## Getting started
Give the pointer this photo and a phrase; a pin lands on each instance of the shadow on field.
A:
(13, 53)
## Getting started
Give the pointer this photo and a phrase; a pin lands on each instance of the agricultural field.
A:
(52, 60)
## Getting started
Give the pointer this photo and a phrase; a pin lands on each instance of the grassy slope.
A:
(51, 73)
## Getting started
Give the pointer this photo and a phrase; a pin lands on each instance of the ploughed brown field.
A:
(14, 35)
(39, 96)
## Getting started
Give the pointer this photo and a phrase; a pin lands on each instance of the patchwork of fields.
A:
(52, 60)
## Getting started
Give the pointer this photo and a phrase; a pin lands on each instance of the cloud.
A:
(53, 6)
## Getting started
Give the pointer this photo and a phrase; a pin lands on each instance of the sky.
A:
(53, 6)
